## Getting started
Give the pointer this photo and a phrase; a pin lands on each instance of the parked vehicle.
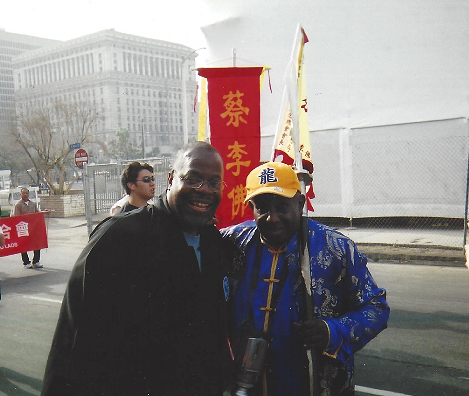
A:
(5, 180)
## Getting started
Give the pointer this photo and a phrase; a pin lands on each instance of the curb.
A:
(433, 255)
(405, 254)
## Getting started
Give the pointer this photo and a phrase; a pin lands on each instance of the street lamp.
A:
(184, 95)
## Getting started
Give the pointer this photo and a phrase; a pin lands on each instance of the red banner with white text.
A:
(234, 116)
(23, 233)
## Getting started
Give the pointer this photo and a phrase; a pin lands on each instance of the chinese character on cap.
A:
(272, 178)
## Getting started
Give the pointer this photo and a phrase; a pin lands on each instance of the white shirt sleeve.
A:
(121, 202)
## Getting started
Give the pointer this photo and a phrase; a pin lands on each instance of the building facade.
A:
(12, 45)
(134, 82)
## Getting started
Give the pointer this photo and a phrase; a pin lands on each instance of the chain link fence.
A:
(399, 184)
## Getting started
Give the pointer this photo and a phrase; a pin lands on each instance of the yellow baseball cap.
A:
(272, 178)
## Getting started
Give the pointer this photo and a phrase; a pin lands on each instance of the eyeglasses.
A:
(146, 179)
(197, 182)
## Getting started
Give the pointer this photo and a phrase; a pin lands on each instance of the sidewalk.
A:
(429, 247)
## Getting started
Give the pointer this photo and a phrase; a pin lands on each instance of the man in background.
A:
(139, 184)
(26, 206)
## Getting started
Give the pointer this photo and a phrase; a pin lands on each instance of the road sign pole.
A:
(87, 198)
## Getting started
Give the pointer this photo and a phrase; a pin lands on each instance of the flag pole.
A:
(292, 84)
(304, 178)
(280, 120)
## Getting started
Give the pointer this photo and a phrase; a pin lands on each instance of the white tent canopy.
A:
(369, 65)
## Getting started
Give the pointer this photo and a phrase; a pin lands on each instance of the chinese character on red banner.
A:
(234, 109)
(234, 115)
(23, 233)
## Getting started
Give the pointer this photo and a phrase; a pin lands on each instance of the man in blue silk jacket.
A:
(347, 308)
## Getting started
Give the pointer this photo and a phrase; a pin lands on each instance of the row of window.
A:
(155, 112)
(64, 96)
(154, 128)
(7, 105)
(151, 66)
(154, 140)
(85, 64)
(150, 119)
(149, 51)
(57, 71)
(161, 103)
(85, 95)
(7, 91)
(100, 46)
(5, 58)
(15, 44)
(5, 98)
(161, 94)
(10, 51)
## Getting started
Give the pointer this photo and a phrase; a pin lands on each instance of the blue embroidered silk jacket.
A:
(344, 295)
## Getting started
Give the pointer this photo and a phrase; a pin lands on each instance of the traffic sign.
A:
(75, 146)
(81, 157)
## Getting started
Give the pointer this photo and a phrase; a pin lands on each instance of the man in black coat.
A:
(144, 312)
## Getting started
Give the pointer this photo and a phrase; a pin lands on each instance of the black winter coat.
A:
(139, 317)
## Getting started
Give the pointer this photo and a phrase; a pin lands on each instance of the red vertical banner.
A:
(234, 116)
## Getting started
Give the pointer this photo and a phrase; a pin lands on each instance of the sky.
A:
(176, 21)
(367, 63)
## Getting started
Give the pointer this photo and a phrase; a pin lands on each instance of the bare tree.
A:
(123, 147)
(12, 156)
(45, 132)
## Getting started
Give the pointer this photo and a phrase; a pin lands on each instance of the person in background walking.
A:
(26, 206)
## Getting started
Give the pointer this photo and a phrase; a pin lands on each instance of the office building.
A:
(135, 83)
(12, 45)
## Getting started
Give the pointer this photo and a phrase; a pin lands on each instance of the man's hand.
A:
(314, 334)
(2, 240)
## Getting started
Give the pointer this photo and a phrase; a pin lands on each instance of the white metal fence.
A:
(410, 177)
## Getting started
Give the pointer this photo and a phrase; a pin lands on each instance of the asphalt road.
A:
(424, 351)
